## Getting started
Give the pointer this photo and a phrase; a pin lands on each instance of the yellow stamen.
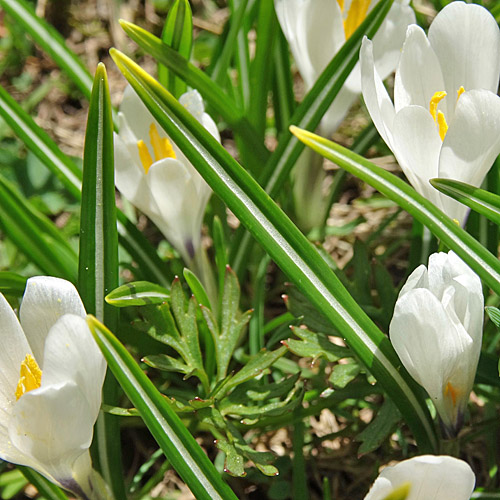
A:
(162, 147)
(449, 390)
(31, 376)
(460, 91)
(341, 5)
(433, 105)
(442, 125)
(144, 155)
(355, 16)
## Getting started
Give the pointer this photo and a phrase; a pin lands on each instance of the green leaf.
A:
(35, 235)
(49, 490)
(483, 202)
(197, 288)
(137, 293)
(179, 446)
(51, 42)
(379, 428)
(232, 324)
(494, 314)
(47, 151)
(178, 34)
(12, 283)
(286, 245)
(210, 91)
(343, 374)
(454, 237)
(315, 345)
(167, 363)
(98, 259)
(308, 116)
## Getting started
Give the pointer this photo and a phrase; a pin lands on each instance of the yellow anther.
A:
(162, 147)
(449, 390)
(144, 155)
(31, 376)
(355, 16)
(442, 125)
(433, 105)
(460, 91)
(341, 5)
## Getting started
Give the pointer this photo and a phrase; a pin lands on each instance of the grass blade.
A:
(483, 202)
(51, 42)
(98, 261)
(179, 446)
(285, 244)
(463, 244)
(178, 34)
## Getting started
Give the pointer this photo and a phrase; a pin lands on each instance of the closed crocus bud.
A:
(52, 374)
(436, 331)
(445, 120)
(317, 29)
(426, 477)
(154, 175)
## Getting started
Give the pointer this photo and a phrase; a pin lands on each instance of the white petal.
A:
(138, 117)
(71, 354)
(417, 146)
(419, 74)
(12, 353)
(428, 343)
(51, 427)
(471, 144)
(389, 38)
(417, 279)
(431, 478)
(466, 39)
(376, 98)
(193, 102)
(315, 32)
(45, 300)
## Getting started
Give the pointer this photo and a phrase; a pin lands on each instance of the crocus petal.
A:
(193, 102)
(389, 38)
(12, 354)
(418, 75)
(431, 478)
(466, 39)
(413, 127)
(426, 340)
(45, 300)
(471, 144)
(71, 354)
(337, 111)
(51, 427)
(376, 98)
(315, 32)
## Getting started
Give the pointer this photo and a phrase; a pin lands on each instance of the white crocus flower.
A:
(51, 376)
(445, 121)
(427, 477)
(317, 29)
(437, 331)
(153, 174)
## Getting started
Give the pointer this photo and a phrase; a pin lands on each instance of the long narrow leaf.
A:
(70, 175)
(51, 41)
(179, 446)
(308, 116)
(35, 235)
(483, 202)
(178, 34)
(194, 77)
(49, 490)
(285, 244)
(463, 244)
(98, 259)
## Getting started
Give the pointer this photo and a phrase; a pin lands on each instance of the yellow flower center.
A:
(355, 16)
(162, 148)
(450, 391)
(31, 376)
(438, 116)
